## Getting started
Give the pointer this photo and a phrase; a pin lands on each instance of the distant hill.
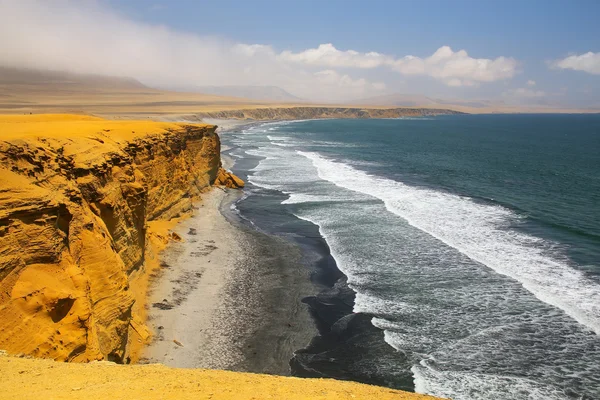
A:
(39, 91)
(28, 90)
(417, 100)
(265, 93)
(397, 100)
(13, 79)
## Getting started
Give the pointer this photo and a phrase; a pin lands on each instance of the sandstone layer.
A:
(85, 205)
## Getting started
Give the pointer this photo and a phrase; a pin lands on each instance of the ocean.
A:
(470, 243)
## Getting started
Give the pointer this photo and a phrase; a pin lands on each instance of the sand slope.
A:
(42, 379)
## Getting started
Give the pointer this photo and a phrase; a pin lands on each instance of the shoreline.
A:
(250, 320)
(226, 296)
(343, 336)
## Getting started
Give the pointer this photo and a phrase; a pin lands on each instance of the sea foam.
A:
(473, 327)
(470, 386)
(482, 232)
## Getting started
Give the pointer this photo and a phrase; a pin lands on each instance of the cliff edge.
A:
(85, 205)
(44, 379)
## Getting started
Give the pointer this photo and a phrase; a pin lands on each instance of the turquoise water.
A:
(473, 240)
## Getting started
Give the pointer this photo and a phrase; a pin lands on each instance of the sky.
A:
(516, 52)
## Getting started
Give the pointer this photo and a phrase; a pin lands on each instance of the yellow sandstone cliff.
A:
(83, 210)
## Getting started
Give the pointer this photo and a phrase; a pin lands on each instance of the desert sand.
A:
(24, 379)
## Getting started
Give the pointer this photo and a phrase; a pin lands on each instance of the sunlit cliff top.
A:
(43, 379)
(70, 126)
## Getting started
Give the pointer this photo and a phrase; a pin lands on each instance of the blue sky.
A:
(533, 32)
(513, 48)
(537, 29)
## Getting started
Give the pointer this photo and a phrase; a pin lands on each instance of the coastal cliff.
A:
(312, 112)
(85, 206)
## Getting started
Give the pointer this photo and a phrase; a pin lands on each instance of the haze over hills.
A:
(270, 93)
(475, 106)
(29, 90)
(417, 100)
(399, 100)
(18, 80)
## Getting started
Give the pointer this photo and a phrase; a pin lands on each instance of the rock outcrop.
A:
(77, 198)
(227, 179)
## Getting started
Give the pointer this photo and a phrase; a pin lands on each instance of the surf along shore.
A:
(87, 206)
(347, 345)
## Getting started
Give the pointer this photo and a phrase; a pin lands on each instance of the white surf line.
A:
(476, 230)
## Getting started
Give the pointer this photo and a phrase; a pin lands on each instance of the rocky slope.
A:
(290, 113)
(81, 205)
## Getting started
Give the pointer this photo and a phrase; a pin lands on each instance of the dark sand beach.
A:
(229, 297)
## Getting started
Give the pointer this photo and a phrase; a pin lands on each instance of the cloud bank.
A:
(452, 68)
(89, 37)
(326, 55)
(588, 62)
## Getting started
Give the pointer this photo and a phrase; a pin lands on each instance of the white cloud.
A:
(87, 36)
(588, 62)
(452, 68)
(328, 56)
(458, 68)
(530, 83)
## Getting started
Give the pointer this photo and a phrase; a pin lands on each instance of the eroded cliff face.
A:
(77, 195)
